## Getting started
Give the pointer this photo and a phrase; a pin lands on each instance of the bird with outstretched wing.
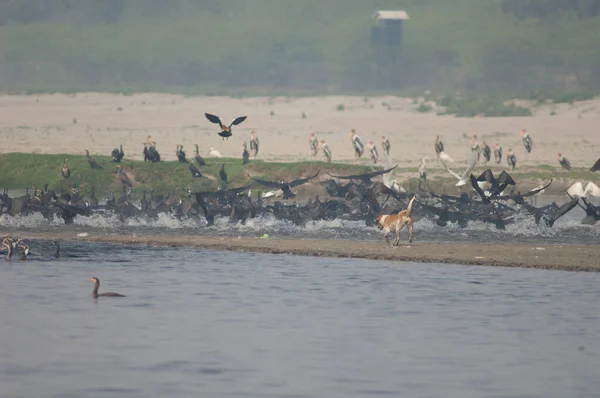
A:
(365, 176)
(225, 129)
(285, 186)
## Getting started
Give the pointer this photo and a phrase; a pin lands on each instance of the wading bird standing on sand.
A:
(225, 129)
(527, 141)
(373, 150)
(511, 159)
(326, 150)
(563, 161)
(475, 146)
(254, 144)
(487, 152)
(423, 172)
(385, 145)
(497, 153)
(356, 144)
(313, 143)
(439, 145)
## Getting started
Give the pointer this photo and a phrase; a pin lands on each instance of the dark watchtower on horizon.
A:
(386, 37)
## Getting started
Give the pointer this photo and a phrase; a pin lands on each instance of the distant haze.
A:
(508, 47)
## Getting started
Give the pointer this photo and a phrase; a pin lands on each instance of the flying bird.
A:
(366, 177)
(462, 180)
(225, 129)
(285, 186)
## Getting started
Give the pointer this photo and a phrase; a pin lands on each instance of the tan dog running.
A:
(395, 222)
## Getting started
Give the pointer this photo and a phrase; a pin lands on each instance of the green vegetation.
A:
(21, 170)
(239, 47)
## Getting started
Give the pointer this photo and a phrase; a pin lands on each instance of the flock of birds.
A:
(493, 199)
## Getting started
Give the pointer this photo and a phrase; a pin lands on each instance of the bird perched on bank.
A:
(497, 153)
(225, 129)
(527, 141)
(223, 173)
(194, 170)
(511, 159)
(254, 143)
(214, 153)
(66, 172)
(563, 161)
(180, 154)
(199, 159)
(91, 161)
(245, 154)
(385, 145)
(117, 154)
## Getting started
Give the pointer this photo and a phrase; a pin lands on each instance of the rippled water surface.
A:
(212, 324)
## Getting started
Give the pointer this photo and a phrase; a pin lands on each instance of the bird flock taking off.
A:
(480, 197)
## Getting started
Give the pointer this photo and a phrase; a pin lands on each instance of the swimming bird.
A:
(199, 159)
(254, 143)
(245, 154)
(91, 161)
(563, 161)
(194, 170)
(596, 166)
(497, 153)
(511, 159)
(180, 154)
(356, 144)
(225, 129)
(223, 174)
(385, 145)
(66, 172)
(527, 141)
(438, 146)
(107, 294)
(117, 154)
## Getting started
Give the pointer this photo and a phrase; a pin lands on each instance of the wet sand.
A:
(567, 258)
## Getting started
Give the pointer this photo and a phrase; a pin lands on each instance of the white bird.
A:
(591, 189)
(444, 157)
(214, 153)
(462, 180)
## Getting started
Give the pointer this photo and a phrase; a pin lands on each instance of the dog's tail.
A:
(409, 208)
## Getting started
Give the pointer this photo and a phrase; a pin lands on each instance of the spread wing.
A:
(214, 119)
(525, 195)
(596, 165)
(237, 121)
(270, 184)
(487, 176)
(478, 189)
(365, 175)
(505, 178)
(301, 181)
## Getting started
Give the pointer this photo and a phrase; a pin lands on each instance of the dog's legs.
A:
(387, 238)
(398, 229)
(410, 231)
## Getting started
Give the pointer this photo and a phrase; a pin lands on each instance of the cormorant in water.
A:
(97, 285)
(225, 130)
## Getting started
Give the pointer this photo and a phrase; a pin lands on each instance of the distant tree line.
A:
(546, 8)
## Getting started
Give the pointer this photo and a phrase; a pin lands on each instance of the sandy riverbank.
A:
(568, 258)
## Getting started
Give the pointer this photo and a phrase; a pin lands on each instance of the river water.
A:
(198, 323)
